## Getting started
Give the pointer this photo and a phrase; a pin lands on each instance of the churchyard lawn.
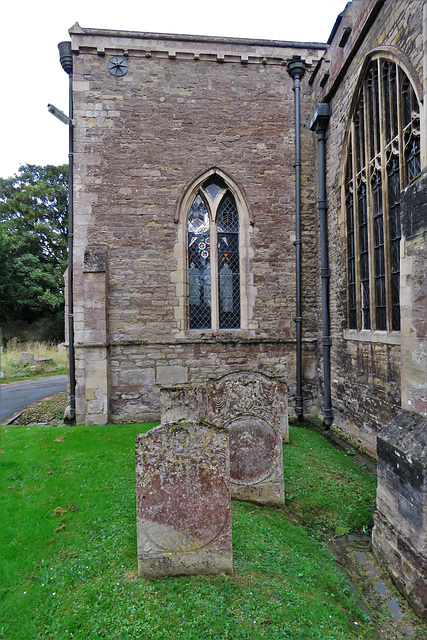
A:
(68, 565)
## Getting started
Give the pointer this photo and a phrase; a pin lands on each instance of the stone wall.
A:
(400, 532)
(414, 297)
(186, 104)
(366, 365)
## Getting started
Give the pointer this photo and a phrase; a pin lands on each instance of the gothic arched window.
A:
(383, 157)
(213, 258)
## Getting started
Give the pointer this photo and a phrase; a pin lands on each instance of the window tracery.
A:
(383, 157)
(213, 258)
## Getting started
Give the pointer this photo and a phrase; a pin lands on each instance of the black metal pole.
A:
(66, 59)
(296, 70)
(319, 124)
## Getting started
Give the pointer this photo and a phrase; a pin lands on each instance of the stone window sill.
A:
(381, 337)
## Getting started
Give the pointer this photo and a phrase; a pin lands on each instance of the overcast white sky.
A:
(31, 75)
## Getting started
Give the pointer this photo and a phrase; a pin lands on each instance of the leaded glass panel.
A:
(373, 110)
(379, 256)
(228, 264)
(395, 234)
(386, 118)
(364, 258)
(413, 159)
(359, 125)
(199, 272)
(213, 186)
(351, 257)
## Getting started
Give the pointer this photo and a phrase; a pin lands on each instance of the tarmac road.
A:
(15, 396)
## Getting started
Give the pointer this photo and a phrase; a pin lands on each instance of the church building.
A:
(261, 205)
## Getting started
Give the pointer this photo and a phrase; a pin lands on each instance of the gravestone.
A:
(253, 408)
(182, 403)
(183, 500)
(25, 357)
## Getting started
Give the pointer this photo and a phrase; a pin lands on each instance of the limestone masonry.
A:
(184, 257)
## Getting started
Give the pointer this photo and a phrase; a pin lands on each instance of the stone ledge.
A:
(381, 337)
(201, 340)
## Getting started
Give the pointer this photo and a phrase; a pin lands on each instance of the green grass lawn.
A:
(68, 547)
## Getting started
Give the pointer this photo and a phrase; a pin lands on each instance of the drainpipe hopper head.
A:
(65, 56)
(296, 69)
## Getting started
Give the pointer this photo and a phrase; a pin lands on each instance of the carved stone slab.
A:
(182, 403)
(252, 407)
(183, 500)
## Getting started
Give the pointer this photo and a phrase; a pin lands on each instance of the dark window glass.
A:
(385, 116)
(387, 101)
(379, 256)
(351, 257)
(393, 101)
(371, 99)
(395, 234)
(364, 258)
(214, 185)
(351, 264)
(406, 95)
(359, 125)
(413, 157)
(228, 264)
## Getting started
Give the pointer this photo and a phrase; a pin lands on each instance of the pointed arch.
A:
(382, 155)
(213, 280)
(194, 184)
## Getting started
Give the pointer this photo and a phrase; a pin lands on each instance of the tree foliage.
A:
(33, 245)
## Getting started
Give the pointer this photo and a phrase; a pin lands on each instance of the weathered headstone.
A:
(25, 357)
(183, 500)
(182, 403)
(252, 407)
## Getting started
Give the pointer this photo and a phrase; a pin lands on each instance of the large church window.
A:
(213, 258)
(383, 157)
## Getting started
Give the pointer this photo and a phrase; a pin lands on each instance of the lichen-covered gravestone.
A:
(183, 500)
(182, 403)
(253, 407)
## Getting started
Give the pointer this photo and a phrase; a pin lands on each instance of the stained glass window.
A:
(213, 214)
(228, 264)
(199, 272)
(383, 157)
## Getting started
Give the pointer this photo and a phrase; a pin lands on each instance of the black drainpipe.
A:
(296, 69)
(66, 60)
(319, 124)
